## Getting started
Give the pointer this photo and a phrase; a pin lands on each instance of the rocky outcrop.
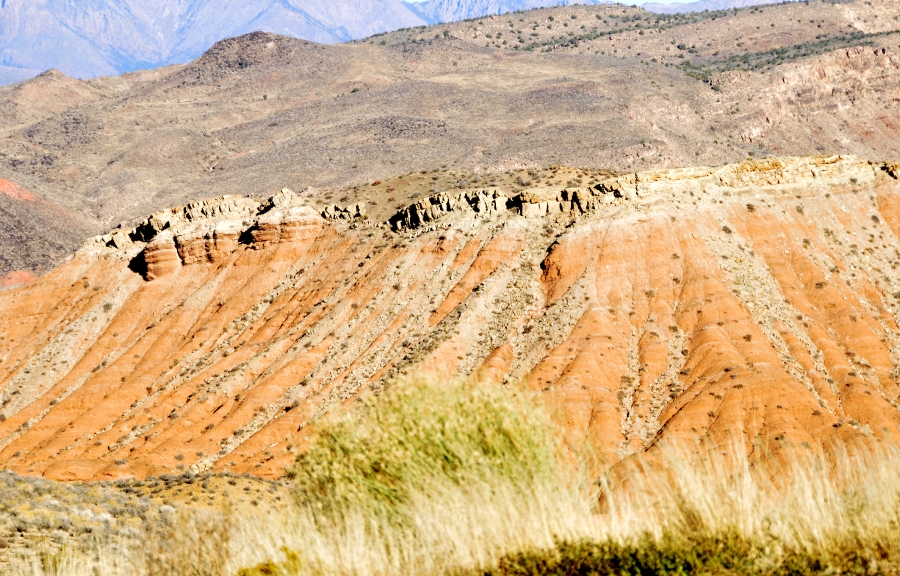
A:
(161, 256)
(484, 202)
(222, 208)
(210, 231)
(209, 242)
(769, 175)
(534, 203)
(353, 212)
(773, 174)
(236, 208)
(296, 224)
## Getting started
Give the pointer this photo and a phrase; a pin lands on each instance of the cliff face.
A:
(754, 303)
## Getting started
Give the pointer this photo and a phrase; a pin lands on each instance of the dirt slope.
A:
(755, 302)
(599, 87)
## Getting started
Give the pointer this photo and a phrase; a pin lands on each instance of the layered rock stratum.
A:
(751, 305)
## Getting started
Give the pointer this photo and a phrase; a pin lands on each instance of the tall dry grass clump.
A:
(419, 438)
(689, 513)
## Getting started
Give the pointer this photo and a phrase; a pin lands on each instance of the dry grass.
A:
(685, 516)
(460, 479)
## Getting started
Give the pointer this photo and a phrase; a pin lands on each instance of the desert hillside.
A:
(753, 304)
(604, 87)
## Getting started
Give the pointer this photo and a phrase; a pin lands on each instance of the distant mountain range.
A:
(102, 37)
(92, 38)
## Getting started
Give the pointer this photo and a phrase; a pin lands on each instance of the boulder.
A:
(284, 199)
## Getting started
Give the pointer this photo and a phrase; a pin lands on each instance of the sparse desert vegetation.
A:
(56, 517)
(433, 477)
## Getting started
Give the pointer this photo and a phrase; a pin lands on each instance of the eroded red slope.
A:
(755, 304)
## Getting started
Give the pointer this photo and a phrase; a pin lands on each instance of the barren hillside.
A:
(755, 304)
(598, 87)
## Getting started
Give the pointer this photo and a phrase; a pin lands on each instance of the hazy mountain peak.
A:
(104, 37)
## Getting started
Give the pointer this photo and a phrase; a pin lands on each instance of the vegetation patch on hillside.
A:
(781, 55)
